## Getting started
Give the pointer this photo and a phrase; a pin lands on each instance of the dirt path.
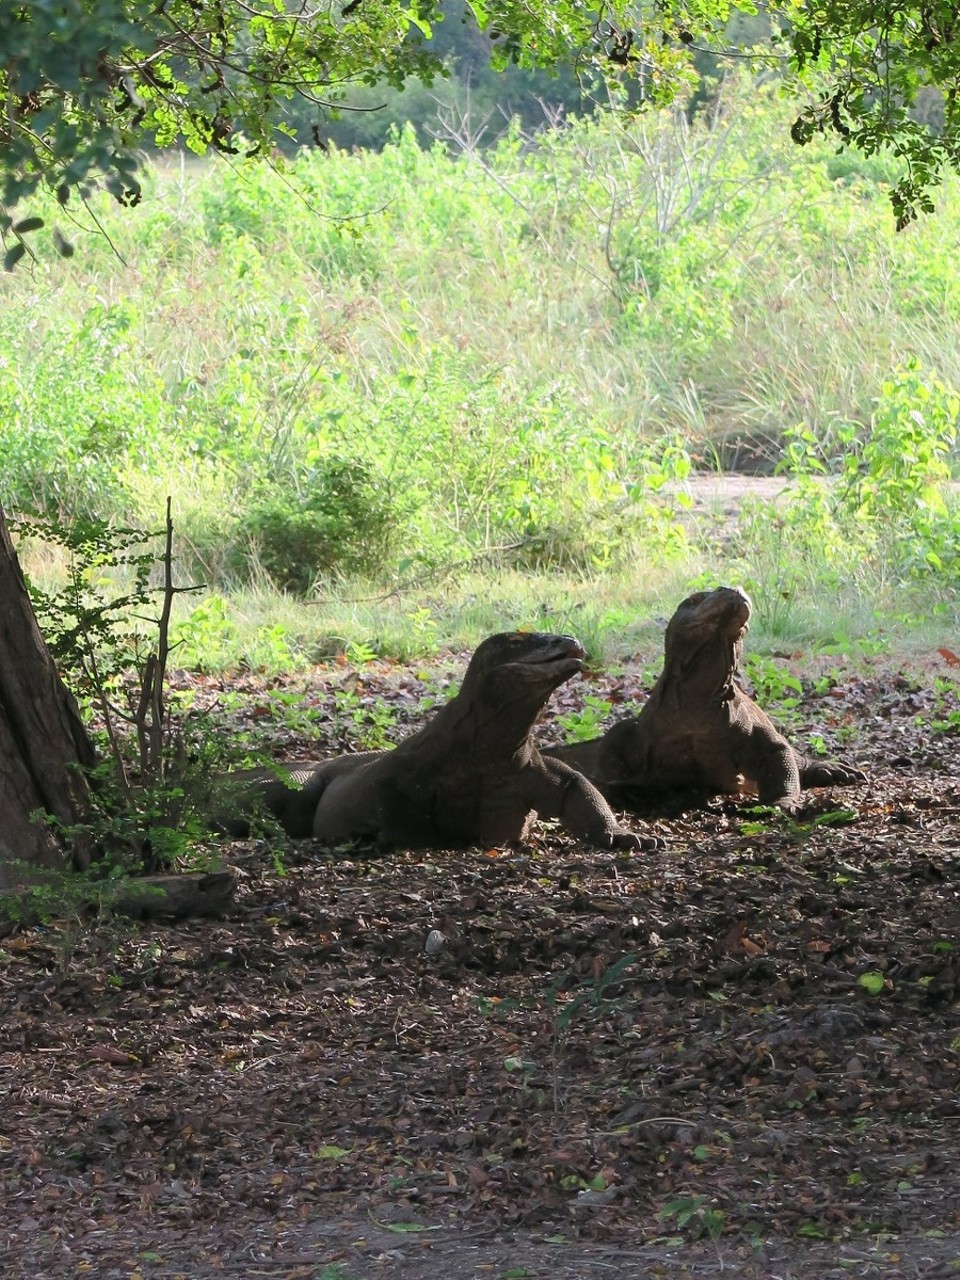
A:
(731, 487)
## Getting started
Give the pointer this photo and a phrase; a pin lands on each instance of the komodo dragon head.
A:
(704, 641)
(521, 667)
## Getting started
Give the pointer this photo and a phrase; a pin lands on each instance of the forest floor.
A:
(738, 1054)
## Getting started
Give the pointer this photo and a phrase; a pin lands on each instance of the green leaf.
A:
(812, 1230)
(871, 982)
(836, 818)
(616, 970)
(13, 255)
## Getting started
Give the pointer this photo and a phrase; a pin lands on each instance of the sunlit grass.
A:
(509, 342)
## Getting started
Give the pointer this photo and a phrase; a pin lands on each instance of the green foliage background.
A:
(426, 356)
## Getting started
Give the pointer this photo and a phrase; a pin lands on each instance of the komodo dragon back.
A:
(289, 795)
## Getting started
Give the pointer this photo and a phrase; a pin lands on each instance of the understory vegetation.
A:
(432, 370)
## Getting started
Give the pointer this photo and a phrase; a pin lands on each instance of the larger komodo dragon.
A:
(472, 775)
(699, 734)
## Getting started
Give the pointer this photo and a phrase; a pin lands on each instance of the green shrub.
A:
(889, 503)
(343, 523)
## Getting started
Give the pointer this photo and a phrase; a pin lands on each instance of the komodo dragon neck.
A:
(704, 677)
(490, 724)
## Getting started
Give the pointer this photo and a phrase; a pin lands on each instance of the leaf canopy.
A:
(85, 83)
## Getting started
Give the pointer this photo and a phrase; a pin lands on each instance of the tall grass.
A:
(520, 350)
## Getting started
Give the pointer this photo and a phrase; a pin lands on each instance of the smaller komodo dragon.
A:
(472, 775)
(699, 734)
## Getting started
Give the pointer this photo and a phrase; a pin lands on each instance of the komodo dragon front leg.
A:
(828, 773)
(782, 774)
(557, 791)
(778, 778)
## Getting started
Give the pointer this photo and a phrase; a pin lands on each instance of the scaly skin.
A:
(290, 795)
(699, 734)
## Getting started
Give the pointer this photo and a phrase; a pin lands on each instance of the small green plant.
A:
(271, 651)
(694, 1217)
(872, 982)
(363, 722)
(765, 818)
(903, 464)
(772, 683)
(289, 708)
(208, 639)
(88, 622)
(358, 653)
(424, 626)
(822, 684)
(867, 645)
(759, 825)
(947, 722)
(812, 1231)
(148, 793)
(587, 723)
(888, 499)
(593, 995)
(334, 1271)
(945, 717)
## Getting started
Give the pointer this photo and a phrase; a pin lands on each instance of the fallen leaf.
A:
(737, 940)
(107, 1053)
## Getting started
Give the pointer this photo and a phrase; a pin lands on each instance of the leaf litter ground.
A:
(740, 1053)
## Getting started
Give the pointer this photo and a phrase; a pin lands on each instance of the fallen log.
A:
(174, 897)
(162, 897)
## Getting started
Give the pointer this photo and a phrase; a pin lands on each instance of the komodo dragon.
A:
(472, 775)
(699, 734)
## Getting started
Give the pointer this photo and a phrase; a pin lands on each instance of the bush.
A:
(344, 524)
(890, 501)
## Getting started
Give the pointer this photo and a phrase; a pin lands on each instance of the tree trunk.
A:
(43, 744)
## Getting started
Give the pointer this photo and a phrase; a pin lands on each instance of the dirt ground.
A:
(739, 1054)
